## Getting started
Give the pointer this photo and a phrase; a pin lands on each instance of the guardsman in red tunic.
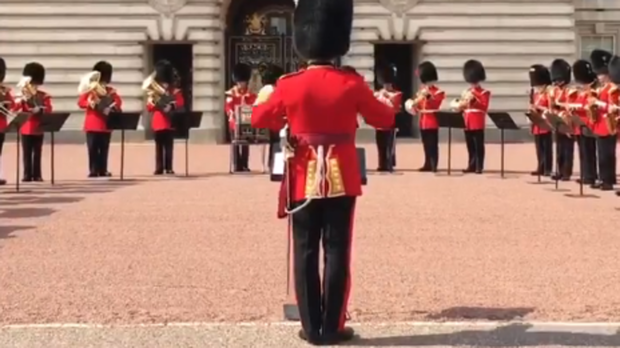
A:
(323, 178)
(239, 95)
(474, 103)
(425, 104)
(7, 104)
(613, 107)
(606, 135)
(161, 121)
(540, 82)
(35, 102)
(95, 121)
(562, 96)
(584, 75)
(385, 137)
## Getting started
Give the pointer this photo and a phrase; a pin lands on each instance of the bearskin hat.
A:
(164, 72)
(386, 74)
(105, 69)
(271, 74)
(2, 69)
(36, 72)
(427, 72)
(302, 65)
(241, 73)
(539, 75)
(600, 59)
(473, 71)
(560, 71)
(322, 28)
(583, 72)
(614, 69)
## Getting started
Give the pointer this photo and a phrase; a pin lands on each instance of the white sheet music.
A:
(278, 163)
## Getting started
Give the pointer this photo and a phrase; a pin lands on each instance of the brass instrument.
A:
(422, 94)
(4, 91)
(98, 97)
(464, 101)
(157, 94)
(611, 118)
(591, 106)
(28, 92)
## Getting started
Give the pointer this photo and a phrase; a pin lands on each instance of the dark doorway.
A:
(181, 57)
(401, 56)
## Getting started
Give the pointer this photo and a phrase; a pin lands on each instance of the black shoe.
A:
(607, 187)
(38, 179)
(547, 174)
(106, 174)
(170, 172)
(535, 173)
(565, 178)
(595, 185)
(617, 193)
(468, 170)
(26, 179)
(478, 171)
(158, 172)
(556, 177)
(424, 169)
(346, 334)
(2, 182)
(246, 169)
(314, 339)
(93, 175)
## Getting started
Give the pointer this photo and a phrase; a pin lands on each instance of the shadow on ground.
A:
(481, 313)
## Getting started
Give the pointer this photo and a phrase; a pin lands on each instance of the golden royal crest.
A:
(256, 24)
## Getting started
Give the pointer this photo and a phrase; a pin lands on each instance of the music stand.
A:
(558, 126)
(123, 121)
(183, 122)
(15, 125)
(450, 120)
(52, 123)
(585, 132)
(503, 122)
(540, 122)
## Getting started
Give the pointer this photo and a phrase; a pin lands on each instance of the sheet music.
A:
(278, 163)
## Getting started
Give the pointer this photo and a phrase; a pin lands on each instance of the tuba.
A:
(28, 92)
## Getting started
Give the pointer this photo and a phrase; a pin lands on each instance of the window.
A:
(591, 42)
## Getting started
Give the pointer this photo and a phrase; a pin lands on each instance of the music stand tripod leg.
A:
(52, 166)
(17, 166)
(122, 175)
(449, 150)
(557, 161)
(502, 139)
(187, 156)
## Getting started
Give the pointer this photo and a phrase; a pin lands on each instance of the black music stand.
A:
(558, 126)
(183, 122)
(585, 132)
(450, 120)
(503, 122)
(540, 122)
(15, 126)
(123, 121)
(52, 123)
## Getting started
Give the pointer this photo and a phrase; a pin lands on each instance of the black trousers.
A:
(274, 141)
(2, 136)
(565, 152)
(385, 149)
(98, 144)
(474, 140)
(329, 221)
(544, 153)
(430, 143)
(32, 147)
(587, 158)
(606, 147)
(241, 156)
(164, 149)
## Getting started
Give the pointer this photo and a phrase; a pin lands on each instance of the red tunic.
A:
(94, 121)
(563, 97)
(604, 96)
(582, 99)
(31, 126)
(329, 112)
(236, 96)
(392, 98)
(475, 113)
(428, 107)
(541, 103)
(9, 104)
(160, 121)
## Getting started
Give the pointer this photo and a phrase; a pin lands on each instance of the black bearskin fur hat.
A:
(322, 28)
(164, 72)
(600, 59)
(583, 72)
(241, 73)
(427, 72)
(2, 69)
(539, 75)
(105, 69)
(386, 74)
(36, 72)
(560, 71)
(614, 70)
(473, 71)
(271, 74)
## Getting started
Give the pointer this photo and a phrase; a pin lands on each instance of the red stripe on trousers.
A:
(347, 287)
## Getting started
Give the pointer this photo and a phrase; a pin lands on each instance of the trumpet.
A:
(463, 102)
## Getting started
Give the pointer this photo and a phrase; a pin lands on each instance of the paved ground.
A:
(208, 249)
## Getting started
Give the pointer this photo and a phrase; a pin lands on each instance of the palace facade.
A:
(204, 38)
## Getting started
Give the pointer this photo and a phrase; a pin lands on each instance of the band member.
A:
(540, 82)
(385, 137)
(585, 76)
(302, 66)
(323, 177)
(474, 103)
(7, 103)
(236, 96)
(35, 102)
(562, 97)
(426, 104)
(95, 121)
(162, 117)
(604, 127)
(270, 76)
(613, 100)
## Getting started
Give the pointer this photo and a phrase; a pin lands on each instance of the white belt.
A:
(427, 111)
(474, 110)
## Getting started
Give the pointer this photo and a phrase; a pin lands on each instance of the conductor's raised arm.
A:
(374, 112)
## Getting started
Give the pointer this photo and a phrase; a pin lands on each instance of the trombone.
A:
(3, 102)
